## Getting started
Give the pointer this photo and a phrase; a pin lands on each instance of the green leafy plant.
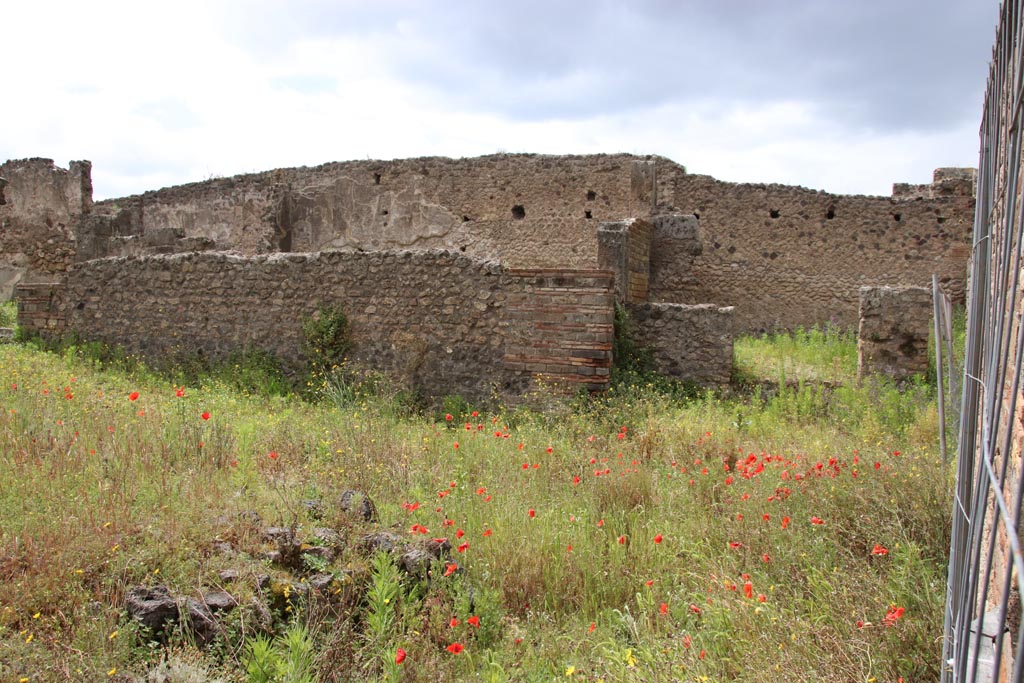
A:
(285, 659)
(326, 339)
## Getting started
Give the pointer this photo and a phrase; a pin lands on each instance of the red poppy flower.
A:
(817, 520)
(735, 544)
(454, 622)
(463, 548)
(592, 626)
(272, 455)
(450, 569)
(761, 597)
(399, 656)
(879, 550)
(531, 512)
(205, 416)
(687, 641)
(456, 445)
(474, 621)
(488, 532)
(600, 522)
(766, 558)
(455, 648)
(179, 392)
(748, 589)
(664, 608)
(550, 449)
(785, 522)
(132, 396)
(893, 615)
(459, 533)
(695, 609)
(649, 582)
(576, 480)
(448, 417)
(622, 540)
(657, 539)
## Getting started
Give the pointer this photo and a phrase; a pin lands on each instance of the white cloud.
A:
(159, 94)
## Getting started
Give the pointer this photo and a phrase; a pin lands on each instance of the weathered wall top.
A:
(946, 182)
(789, 256)
(40, 206)
(523, 209)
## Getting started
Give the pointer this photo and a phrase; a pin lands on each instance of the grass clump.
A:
(8, 313)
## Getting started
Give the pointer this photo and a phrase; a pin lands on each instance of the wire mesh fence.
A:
(982, 635)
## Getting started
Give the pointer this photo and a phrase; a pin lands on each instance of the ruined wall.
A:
(688, 343)
(561, 326)
(40, 205)
(524, 210)
(788, 256)
(624, 248)
(440, 322)
(892, 338)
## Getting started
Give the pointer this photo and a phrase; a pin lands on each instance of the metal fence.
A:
(982, 635)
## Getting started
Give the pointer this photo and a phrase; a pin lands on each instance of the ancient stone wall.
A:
(524, 210)
(624, 248)
(892, 338)
(788, 256)
(440, 322)
(41, 308)
(40, 206)
(688, 343)
(562, 326)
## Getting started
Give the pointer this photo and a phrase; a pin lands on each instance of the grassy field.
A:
(631, 537)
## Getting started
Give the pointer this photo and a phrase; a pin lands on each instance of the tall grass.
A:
(8, 313)
(616, 539)
(828, 353)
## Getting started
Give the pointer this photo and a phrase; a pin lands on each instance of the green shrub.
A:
(326, 339)
(8, 314)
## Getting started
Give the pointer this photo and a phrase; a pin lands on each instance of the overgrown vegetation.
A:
(8, 314)
(796, 535)
(828, 353)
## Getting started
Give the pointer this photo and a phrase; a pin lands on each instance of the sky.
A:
(848, 96)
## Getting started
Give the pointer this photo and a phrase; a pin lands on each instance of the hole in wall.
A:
(376, 178)
(897, 217)
(588, 214)
(941, 219)
(591, 195)
(830, 213)
(696, 215)
(384, 212)
(465, 219)
(462, 248)
(80, 306)
(774, 213)
(518, 212)
(3, 184)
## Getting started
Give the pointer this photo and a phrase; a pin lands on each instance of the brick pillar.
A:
(894, 326)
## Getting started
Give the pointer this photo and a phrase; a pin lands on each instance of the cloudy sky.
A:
(842, 95)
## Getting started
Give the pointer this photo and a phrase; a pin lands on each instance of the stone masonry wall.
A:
(440, 322)
(524, 210)
(41, 307)
(624, 248)
(688, 343)
(895, 323)
(40, 206)
(788, 256)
